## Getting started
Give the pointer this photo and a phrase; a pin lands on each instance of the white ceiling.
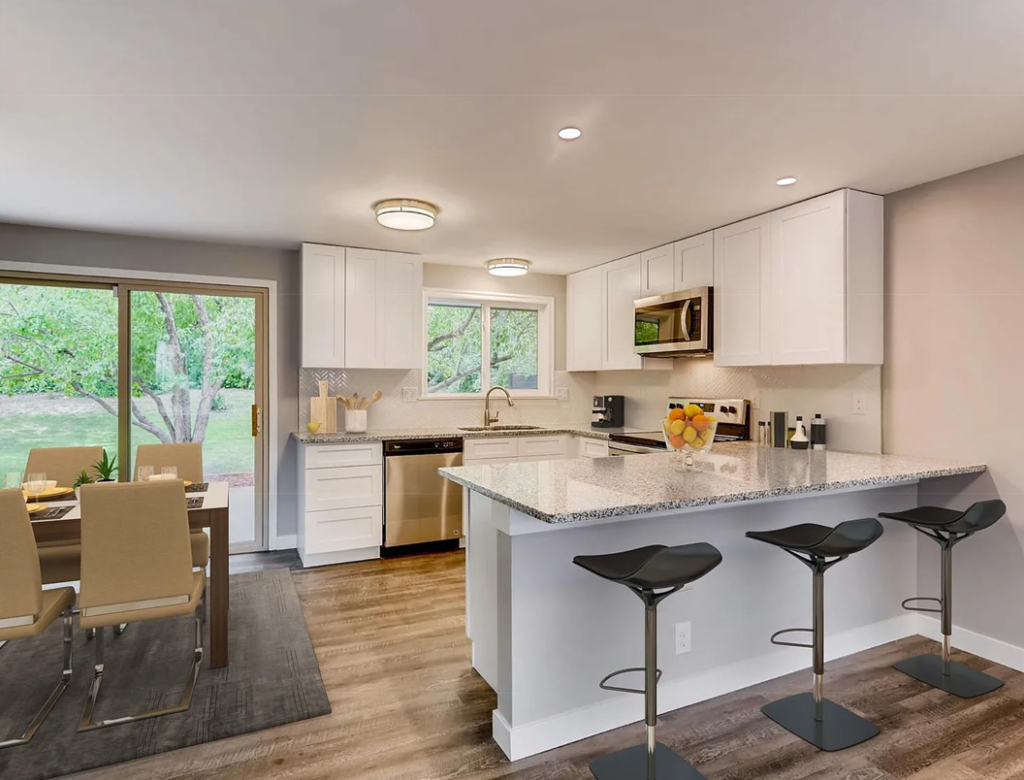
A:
(280, 121)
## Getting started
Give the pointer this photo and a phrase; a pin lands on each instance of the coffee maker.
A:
(608, 411)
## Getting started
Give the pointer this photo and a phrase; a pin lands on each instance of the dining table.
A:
(207, 510)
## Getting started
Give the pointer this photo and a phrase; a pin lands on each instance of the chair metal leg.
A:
(2, 644)
(87, 723)
(940, 671)
(811, 716)
(65, 680)
(119, 629)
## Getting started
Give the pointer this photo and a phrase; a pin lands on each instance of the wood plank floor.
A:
(390, 639)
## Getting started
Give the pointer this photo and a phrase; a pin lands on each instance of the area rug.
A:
(272, 678)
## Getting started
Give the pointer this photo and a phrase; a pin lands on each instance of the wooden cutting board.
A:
(323, 409)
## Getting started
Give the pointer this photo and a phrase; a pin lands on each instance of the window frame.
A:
(545, 308)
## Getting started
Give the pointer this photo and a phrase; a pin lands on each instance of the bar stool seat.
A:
(811, 716)
(652, 573)
(948, 527)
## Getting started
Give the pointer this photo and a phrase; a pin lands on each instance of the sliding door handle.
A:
(257, 421)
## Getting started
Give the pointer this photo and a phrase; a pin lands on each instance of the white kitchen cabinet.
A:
(547, 447)
(584, 318)
(361, 308)
(592, 448)
(742, 263)
(657, 271)
(694, 262)
(826, 271)
(341, 503)
(323, 306)
(620, 287)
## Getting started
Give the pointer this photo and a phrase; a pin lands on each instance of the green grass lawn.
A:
(228, 448)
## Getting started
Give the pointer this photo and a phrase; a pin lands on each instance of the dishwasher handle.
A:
(421, 446)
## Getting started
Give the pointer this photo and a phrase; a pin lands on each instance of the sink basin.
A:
(479, 428)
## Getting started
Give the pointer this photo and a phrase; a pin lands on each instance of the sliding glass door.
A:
(121, 363)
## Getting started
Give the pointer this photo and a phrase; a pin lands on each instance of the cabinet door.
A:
(743, 293)
(584, 317)
(344, 488)
(656, 271)
(808, 271)
(365, 321)
(694, 262)
(323, 306)
(620, 283)
(403, 311)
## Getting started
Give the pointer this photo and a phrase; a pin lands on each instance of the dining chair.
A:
(26, 610)
(61, 561)
(188, 459)
(136, 567)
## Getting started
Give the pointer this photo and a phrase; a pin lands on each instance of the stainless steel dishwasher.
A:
(420, 506)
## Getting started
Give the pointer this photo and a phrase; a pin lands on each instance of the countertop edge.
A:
(341, 437)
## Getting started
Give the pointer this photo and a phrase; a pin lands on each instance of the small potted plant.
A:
(83, 479)
(105, 468)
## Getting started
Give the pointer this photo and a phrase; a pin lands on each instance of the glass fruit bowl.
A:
(689, 430)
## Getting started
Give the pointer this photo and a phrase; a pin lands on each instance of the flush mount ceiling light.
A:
(405, 214)
(569, 133)
(785, 181)
(508, 266)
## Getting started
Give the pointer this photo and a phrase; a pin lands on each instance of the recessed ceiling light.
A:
(785, 181)
(405, 214)
(569, 133)
(508, 266)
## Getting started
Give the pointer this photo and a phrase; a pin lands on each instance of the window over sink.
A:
(477, 340)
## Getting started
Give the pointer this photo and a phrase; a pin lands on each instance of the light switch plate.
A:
(409, 394)
(562, 393)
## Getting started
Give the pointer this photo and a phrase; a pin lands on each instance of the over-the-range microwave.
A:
(674, 325)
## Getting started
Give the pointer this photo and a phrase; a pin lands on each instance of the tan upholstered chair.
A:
(136, 566)
(58, 561)
(188, 459)
(26, 610)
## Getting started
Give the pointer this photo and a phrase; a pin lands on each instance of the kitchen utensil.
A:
(377, 395)
(323, 409)
(343, 400)
(355, 401)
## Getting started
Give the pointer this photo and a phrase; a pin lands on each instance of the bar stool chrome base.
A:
(631, 764)
(961, 680)
(838, 728)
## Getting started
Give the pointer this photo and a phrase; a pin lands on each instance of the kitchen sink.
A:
(479, 428)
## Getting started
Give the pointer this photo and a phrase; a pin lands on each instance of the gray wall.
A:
(953, 372)
(139, 256)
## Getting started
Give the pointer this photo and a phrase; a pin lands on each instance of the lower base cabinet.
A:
(341, 507)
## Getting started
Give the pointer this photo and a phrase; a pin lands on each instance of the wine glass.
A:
(169, 472)
(35, 484)
(12, 479)
(144, 474)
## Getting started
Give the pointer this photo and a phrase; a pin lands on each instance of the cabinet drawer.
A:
(593, 448)
(322, 456)
(343, 488)
(483, 449)
(533, 446)
(335, 530)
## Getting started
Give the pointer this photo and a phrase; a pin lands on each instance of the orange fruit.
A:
(700, 422)
(677, 442)
(676, 414)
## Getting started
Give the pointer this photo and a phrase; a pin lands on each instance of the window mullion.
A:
(485, 348)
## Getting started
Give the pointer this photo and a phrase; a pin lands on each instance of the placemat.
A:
(56, 513)
(196, 502)
(197, 487)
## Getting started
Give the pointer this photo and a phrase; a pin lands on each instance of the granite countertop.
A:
(390, 434)
(568, 491)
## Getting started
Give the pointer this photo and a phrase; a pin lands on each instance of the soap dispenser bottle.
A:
(800, 441)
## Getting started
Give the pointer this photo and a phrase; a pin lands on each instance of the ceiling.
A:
(281, 121)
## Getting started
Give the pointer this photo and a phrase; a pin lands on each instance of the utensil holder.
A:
(355, 421)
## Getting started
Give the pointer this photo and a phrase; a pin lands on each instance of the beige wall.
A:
(954, 371)
(452, 277)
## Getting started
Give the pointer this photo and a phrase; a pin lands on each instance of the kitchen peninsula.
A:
(544, 632)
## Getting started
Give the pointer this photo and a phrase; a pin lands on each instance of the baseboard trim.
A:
(309, 560)
(619, 710)
(995, 650)
(287, 542)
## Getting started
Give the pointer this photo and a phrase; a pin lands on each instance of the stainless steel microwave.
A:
(674, 325)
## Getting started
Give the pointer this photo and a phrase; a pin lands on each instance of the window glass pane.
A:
(454, 348)
(58, 371)
(514, 348)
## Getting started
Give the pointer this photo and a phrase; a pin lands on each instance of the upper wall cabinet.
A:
(694, 260)
(657, 269)
(361, 308)
(620, 286)
(802, 285)
(584, 318)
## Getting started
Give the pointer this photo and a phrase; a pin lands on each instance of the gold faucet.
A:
(487, 405)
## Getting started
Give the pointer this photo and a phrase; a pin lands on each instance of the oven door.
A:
(675, 324)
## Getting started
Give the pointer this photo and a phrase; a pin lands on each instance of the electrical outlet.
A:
(684, 638)
(562, 393)
(755, 399)
(409, 394)
(860, 403)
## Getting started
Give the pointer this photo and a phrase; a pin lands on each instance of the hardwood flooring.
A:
(390, 639)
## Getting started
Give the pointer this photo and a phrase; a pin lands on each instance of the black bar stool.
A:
(948, 527)
(811, 716)
(646, 571)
